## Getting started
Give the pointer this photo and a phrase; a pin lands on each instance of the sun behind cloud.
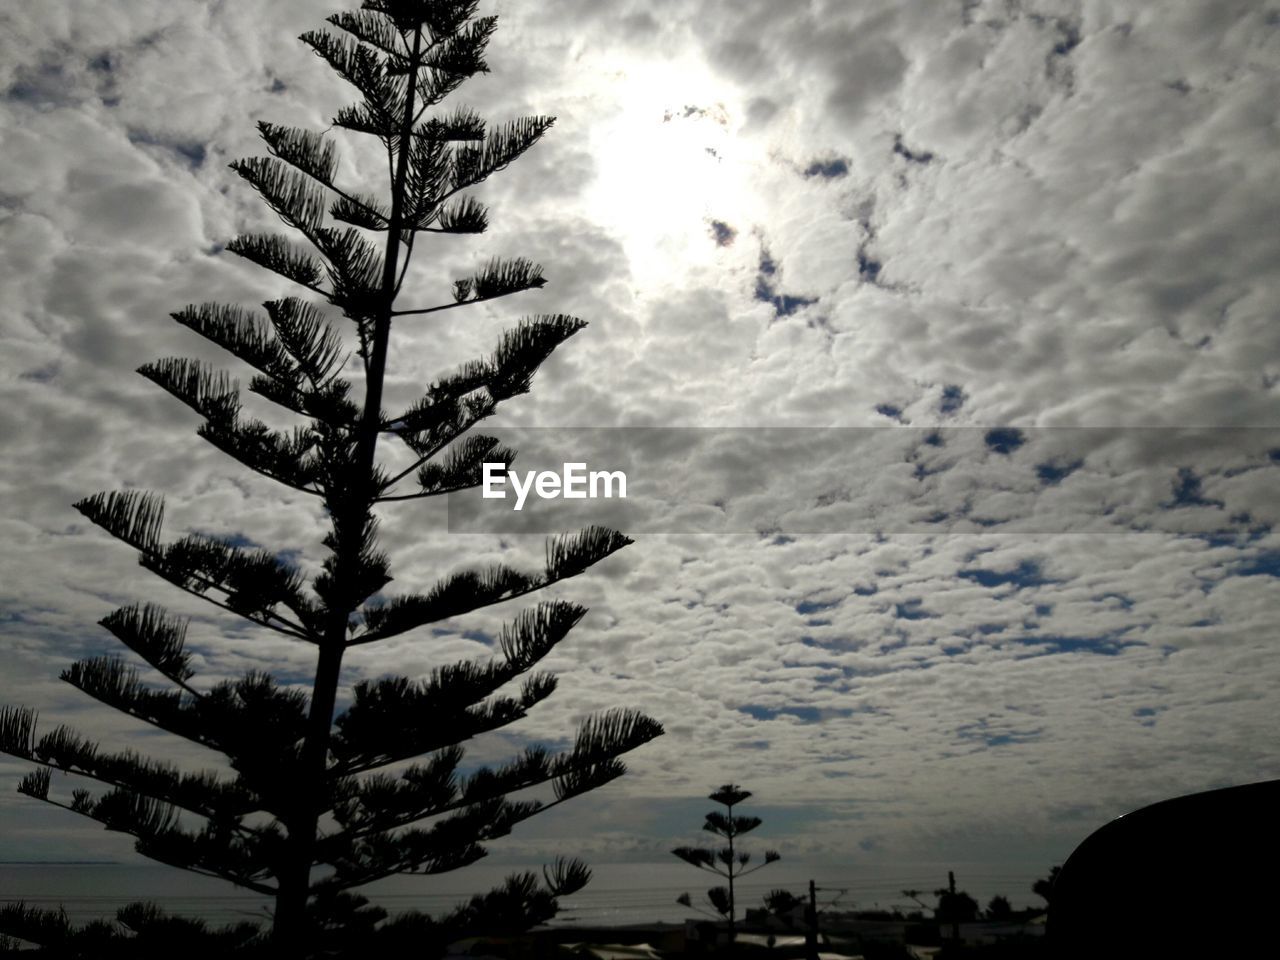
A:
(671, 162)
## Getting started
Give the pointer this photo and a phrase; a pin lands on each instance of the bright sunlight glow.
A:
(669, 163)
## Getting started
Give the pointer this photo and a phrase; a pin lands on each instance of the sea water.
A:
(619, 893)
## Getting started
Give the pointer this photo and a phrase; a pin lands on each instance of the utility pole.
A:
(811, 934)
(955, 920)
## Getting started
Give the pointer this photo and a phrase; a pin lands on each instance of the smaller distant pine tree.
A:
(728, 862)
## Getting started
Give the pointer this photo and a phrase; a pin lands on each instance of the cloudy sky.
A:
(967, 216)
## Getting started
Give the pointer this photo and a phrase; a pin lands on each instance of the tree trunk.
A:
(289, 929)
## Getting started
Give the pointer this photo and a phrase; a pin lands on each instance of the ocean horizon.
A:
(619, 894)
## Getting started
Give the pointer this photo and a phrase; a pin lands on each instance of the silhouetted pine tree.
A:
(313, 789)
(727, 862)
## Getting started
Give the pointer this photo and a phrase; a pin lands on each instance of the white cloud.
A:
(1088, 244)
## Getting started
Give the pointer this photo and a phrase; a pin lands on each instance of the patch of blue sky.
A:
(868, 267)
(286, 677)
(810, 665)
(1003, 739)
(783, 304)
(981, 732)
(912, 610)
(1147, 716)
(192, 153)
(1004, 439)
(1107, 645)
(828, 169)
(802, 713)
(953, 398)
(985, 521)
(238, 540)
(290, 555)
(1053, 472)
(1188, 492)
(1265, 564)
(911, 156)
(922, 472)
(1125, 602)
(722, 233)
(1026, 574)
(44, 374)
(42, 87)
(806, 607)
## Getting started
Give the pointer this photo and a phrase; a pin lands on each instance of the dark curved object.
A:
(1195, 876)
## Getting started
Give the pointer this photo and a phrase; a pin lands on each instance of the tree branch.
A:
(289, 628)
(425, 493)
(425, 457)
(247, 832)
(460, 303)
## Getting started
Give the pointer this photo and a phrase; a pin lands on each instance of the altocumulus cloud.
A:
(1002, 216)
